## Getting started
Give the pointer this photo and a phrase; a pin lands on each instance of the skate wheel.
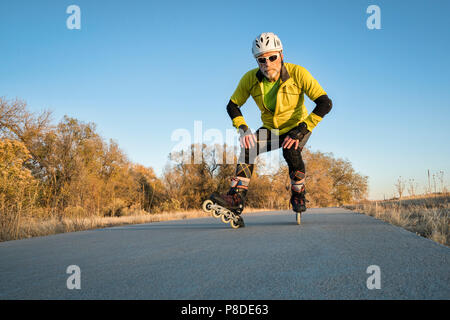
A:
(206, 206)
(216, 214)
(299, 218)
(238, 223)
(234, 225)
(225, 219)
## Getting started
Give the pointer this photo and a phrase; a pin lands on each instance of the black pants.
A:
(268, 141)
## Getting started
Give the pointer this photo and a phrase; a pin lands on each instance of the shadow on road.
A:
(206, 226)
(282, 219)
(166, 226)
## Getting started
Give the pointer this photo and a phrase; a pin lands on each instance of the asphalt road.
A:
(271, 258)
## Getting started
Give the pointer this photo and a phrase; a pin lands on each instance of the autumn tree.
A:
(151, 190)
(17, 186)
(347, 184)
(190, 183)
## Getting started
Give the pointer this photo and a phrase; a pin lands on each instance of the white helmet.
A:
(266, 42)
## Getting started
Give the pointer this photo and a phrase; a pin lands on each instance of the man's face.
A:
(271, 69)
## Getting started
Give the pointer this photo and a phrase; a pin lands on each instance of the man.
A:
(278, 89)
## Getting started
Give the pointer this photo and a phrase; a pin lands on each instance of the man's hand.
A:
(289, 142)
(247, 139)
(294, 136)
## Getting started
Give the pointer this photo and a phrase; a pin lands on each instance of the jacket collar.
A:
(284, 74)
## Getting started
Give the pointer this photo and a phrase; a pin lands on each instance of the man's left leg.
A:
(296, 165)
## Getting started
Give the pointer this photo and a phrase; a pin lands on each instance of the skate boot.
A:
(233, 200)
(298, 191)
(228, 206)
(298, 202)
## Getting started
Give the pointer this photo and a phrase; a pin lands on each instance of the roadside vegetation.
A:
(65, 177)
(427, 215)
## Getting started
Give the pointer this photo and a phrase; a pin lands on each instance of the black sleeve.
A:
(233, 110)
(323, 105)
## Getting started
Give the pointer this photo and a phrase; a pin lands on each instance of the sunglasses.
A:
(263, 60)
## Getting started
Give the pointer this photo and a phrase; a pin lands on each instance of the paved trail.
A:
(271, 258)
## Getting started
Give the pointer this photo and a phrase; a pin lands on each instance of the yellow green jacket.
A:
(290, 109)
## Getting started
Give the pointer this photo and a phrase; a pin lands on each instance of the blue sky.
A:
(142, 69)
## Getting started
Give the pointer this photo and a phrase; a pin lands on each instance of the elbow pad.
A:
(323, 105)
(233, 110)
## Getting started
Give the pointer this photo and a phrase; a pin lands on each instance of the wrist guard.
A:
(299, 132)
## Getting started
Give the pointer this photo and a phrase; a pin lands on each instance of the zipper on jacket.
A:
(282, 85)
(261, 86)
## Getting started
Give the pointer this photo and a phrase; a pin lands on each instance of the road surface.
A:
(327, 257)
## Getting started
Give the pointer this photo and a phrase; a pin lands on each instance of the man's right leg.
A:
(235, 197)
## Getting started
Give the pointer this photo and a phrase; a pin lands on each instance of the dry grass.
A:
(426, 216)
(33, 227)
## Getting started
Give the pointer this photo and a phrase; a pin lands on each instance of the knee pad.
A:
(297, 181)
(294, 159)
(297, 175)
(297, 187)
(240, 183)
